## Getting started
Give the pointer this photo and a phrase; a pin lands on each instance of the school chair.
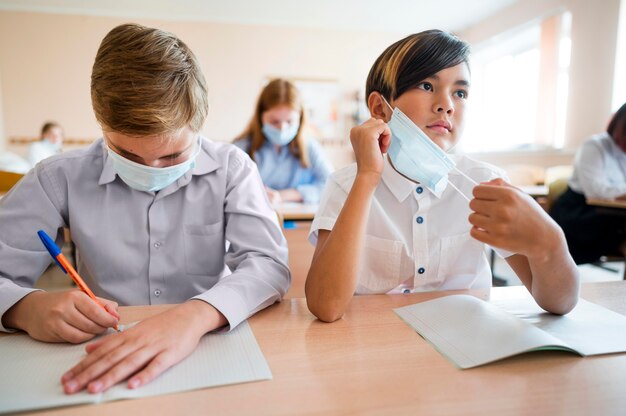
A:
(8, 179)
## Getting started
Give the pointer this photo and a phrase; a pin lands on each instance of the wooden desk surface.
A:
(371, 362)
(536, 191)
(297, 212)
(606, 203)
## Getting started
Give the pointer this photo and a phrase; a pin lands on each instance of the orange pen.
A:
(67, 268)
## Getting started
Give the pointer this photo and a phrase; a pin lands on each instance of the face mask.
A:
(283, 136)
(415, 156)
(146, 178)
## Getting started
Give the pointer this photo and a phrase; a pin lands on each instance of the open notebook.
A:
(31, 370)
(471, 332)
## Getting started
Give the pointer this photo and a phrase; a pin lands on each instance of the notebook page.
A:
(219, 359)
(31, 374)
(590, 329)
(471, 332)
(31, 370)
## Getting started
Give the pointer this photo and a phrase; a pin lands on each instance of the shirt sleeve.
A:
(332, 201)
(592, 173)
(31, 205)
(257, 254)
(321, 168)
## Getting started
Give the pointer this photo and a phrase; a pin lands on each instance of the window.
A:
(619, 83)
(519, 89)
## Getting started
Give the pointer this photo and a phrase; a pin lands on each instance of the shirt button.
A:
(157, 292)
(419, 190)
(421, 270)
(406, 290)
(419, 220)
(157, 244)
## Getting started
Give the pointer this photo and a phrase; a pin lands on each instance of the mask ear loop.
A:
(466, 177)
(455, 168)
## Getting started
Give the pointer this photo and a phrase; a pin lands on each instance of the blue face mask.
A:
(146, 178)
(280, 137)
(415, 156)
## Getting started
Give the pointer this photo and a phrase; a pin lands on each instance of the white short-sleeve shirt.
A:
(414, 241)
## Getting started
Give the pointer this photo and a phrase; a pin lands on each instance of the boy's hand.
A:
(507, 218)
(144, 351)
(69, 316)
(369, 141)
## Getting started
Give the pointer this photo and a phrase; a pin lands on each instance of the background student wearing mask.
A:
(599, 172)
(48, 145)
(292, 165)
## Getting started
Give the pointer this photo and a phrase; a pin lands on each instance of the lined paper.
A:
(31, 370)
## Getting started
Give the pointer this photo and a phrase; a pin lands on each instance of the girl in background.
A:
(292, 165)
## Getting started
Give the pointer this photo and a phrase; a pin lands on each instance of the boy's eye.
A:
(426, 86)
(461, 94)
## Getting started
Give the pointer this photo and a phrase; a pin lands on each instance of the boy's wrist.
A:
(15, 316)
(552, 245)
(369, 180)
(203, 316)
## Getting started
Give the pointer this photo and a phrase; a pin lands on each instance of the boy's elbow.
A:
(563, 307)
(324, 312)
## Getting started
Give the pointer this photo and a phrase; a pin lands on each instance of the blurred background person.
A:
(49, 143)
(292, 164)
(600, 173)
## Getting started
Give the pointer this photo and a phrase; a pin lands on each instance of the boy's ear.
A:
(378, 108)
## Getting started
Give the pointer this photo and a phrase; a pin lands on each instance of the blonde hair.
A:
(277, 92)
(146, 81)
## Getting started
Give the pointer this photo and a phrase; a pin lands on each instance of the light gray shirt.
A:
(146, 248)
(600, 169)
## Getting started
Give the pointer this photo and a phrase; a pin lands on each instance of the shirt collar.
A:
(399, 186)
(205, 163)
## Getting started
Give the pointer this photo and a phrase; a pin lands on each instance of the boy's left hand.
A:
(505, 217)
(144, 351)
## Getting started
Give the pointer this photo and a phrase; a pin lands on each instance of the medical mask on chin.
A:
(146, 178)
(418, 158)
(280, 137)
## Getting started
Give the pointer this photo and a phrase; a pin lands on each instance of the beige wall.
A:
(45, 66)
(594, 42)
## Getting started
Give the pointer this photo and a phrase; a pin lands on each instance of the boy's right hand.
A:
(69, 316)
(369, 141)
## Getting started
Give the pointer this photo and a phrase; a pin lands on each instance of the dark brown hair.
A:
(618, 125)
(49, 125)
(406, 63)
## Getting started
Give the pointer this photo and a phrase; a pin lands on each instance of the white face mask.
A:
(146, 178)
(418, 158)
(280, 137)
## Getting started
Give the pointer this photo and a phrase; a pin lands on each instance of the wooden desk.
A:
(371, 362)
(536, 191)
(606, 203)
(296, 212)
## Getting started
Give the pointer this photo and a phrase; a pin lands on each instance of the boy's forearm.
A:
(333, 276)
(555, 282)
